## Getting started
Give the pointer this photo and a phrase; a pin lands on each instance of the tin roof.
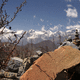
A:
(50, 64)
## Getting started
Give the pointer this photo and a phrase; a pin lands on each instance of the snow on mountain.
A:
(73, 27)
(37, 36)
(19, 32)
(6, 33)
(58, 27)
(70, 31)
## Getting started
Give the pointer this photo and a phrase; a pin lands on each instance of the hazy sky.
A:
(44, 13)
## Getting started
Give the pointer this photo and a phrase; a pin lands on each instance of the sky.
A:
(48, 14)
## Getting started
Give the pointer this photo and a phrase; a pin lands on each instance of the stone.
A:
(51, 63)
(14, 64)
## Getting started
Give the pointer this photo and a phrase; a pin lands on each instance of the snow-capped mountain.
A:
(36, 36)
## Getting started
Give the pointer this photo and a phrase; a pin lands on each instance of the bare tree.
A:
(4, 17)
(4, 22)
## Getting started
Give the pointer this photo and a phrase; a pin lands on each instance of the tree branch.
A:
(8, 58)
(18, 9)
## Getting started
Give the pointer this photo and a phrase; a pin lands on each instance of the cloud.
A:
(43, 28)
(47, 25)
(50, 23)
(73, 21)
(78, 21)
(68, 0)
(47, 21)
(69, 5)
(79, 0)
(41, 20)
(71, 13)
(38, 24)
(54, 28)
(73, 27)
(57, 27)
(34, 16)
(69, 22)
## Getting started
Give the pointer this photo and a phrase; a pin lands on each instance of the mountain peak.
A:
(37, 36)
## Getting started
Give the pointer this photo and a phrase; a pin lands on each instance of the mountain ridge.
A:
(37, 36)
